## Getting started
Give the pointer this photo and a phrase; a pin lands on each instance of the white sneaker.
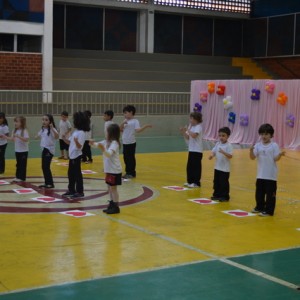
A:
(193, 185)
(186, 184)
(17, 180)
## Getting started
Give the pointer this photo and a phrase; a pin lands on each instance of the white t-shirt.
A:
(64, 128)
(222, 163)
(128, 135)
(3, 131)
(48, 141)
(74, 152)
(106, 124)
(112, 163)
(89, 134)
(266, 166)
(195, 144)
(21, 146)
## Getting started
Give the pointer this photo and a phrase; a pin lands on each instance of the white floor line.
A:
(212, 256)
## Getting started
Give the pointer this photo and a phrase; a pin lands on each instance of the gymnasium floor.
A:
(161, 245)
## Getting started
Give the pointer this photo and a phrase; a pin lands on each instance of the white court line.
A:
(212, 256)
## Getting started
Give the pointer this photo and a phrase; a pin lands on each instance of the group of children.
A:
(265, 151)
(75, 145)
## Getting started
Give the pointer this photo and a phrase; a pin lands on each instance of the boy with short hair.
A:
(129, 127)
(267, 154)
(107, 117)
(223, 153)
(65, 128)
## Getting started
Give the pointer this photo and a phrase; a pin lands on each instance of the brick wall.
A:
(20, 71)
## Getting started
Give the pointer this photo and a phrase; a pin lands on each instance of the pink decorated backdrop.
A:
(265, 110)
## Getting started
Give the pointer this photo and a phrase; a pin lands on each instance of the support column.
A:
(146, 31)
(48, 46)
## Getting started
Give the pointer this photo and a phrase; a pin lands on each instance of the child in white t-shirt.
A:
(223, 152)
(107, 117)
(48, 135)
(4, 132)
(193, 137)
(112, 166)
(267, 154)
(21, 137)
(65, 128)
(130, 127)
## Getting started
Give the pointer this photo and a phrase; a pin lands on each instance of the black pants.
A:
(75, 176)
(194, 168)
(221, 184)
(265, 195)
(21, 166)
(2, 158)
(46, 162)
(86, 151)
(129, 159)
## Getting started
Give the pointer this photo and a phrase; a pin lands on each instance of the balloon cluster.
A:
(290, 120)
(211, 87)
(255, 94)
(221, 89)
(282, 98)
(203, 96)
(198, 107)
(270, 87)
(227, 102)
(244, 120)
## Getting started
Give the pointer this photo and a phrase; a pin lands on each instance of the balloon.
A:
(203, 96)
(255, 94)
(221, 89)
(244, 120)
(211, 87)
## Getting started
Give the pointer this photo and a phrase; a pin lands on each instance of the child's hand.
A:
(252, 147)
(282, 153)
(91, 142)
(210, 157)
(102, 147)
(75, 139)
(222, 151)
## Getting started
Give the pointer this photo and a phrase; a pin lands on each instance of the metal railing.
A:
(35, 103)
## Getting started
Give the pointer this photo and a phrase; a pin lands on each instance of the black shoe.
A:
(68, 194)
(77, 195)
(223, 199)
(46, 186)
(128, 176)
(110, 206)
(114, 209)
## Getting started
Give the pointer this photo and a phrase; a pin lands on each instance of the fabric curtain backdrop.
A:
(265, 110)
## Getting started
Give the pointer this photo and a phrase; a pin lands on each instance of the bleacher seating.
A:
(127, 71)
(282, 67)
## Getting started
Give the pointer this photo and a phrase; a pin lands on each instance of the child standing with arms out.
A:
(130, 127)
(223, 152)
(107, 117)
(64, 129)
(193, 137)
(76, 141)
(86, 150)
(20, 136)
(112, 166)
(4, 132)
(267, 154)
(48, 135)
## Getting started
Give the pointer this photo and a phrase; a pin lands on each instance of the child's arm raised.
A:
(138, 130)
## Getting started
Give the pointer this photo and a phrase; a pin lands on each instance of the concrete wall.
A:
(162, 125)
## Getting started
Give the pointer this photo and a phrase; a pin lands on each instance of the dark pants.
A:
(21, 166)
(129, 159)
(265, 195)
(221, 184)
(86, 151)
(2, 158)
(194, 168)
(46, 162)
(75, 176)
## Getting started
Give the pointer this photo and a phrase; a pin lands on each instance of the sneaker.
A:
(223, 199)
(193, 185)
(186, 184)
(110, 206)
(46, 186)
(127, 176)
(68, 194)
(264, 214)
(77, 195)
(113, 210)
(255, 211)
(17, 180)
(89, 161)
(214, 198)
(66, 158)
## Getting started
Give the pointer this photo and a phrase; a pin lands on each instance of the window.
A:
(29, 43)
(6, 42)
